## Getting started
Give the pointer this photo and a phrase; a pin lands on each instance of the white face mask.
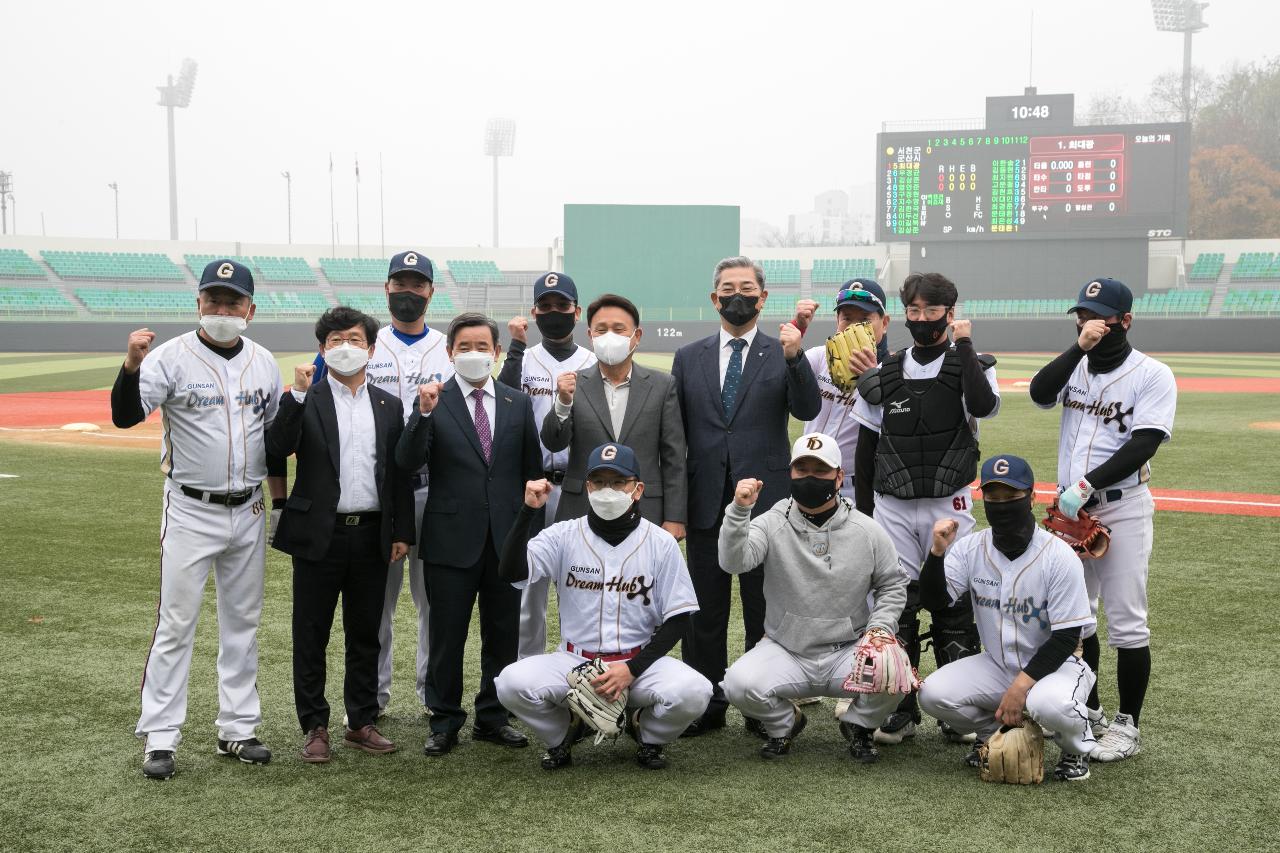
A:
(346, 359)
(222, 328)
(611, 348)
(610, 503)
(473, 366)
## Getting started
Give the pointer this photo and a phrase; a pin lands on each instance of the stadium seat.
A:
(475, 272)
(354, 270)
(1207, 266)
(119, 266)
(292, 303)
(15, 263)
(781, 271)
(270, 268)
(1251, 302)
(112, 301)
(32, 301)
(197, 263)
(840, 270)
(1252, 266)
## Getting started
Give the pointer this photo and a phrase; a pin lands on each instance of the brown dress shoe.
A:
(316, 748)
(369, 739)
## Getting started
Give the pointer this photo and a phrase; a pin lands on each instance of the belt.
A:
(223, 499)
(555, 477)
(607, 657)
(355, 519)
(1104, 497)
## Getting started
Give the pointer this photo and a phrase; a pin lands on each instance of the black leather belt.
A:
(355, 519)
(1111, 496)
(227, 499)
(554, 477)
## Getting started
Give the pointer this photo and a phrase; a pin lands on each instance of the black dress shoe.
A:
(706, 723)
(755, 727)
(502, 736)
(440, 743)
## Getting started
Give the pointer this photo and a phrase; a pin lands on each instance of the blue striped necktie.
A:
(732, 376)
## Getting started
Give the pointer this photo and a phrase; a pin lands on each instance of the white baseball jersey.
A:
(400, 368)
(538, 373)
(1100, 411)
(611, 598)
(872, 416)
(835, 418)
(1018, 603)
(214, 411)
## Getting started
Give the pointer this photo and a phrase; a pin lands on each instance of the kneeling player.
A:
(821, 559)
(1030, 603)
(624, 596)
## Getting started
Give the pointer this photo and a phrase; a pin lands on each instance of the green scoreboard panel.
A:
(658, 256)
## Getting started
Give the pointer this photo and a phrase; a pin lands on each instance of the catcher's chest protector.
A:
(926, 448)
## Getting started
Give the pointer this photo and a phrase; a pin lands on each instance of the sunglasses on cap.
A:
(860, 295)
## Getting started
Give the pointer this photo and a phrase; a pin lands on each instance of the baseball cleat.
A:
(974, 759)
(861, 743)
(1121, 741)
(650, 757)
(560, 756)
(1098, 722)
(251, 751)
(755, 727)
(776, 747)
(1073, 767)
(898, 727)
(158, 764)
(954, 736)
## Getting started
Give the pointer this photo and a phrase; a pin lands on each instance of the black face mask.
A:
(738, 310)
(406, 306)
(812, 492)
(555, 325)
(927, 333)
(614, 531)
(1111, 351)
(1012, 525)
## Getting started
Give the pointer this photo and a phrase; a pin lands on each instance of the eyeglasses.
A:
(337, 340)
(860, 295)
(929, 312)
(618, 484)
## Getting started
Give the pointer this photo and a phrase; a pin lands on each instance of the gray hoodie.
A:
(816, 579)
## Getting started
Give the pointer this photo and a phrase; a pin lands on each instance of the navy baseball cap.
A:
(1104, 296)
(861, 293)
(1013, 471)
(225, 272)
(412, 261)
(555, 282)
(613, 457)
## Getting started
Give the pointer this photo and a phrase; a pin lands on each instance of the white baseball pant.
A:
(909, 524)
(1119, 577)
(418, 590)
(533, 600)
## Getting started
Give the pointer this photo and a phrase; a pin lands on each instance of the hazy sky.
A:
(756, 104)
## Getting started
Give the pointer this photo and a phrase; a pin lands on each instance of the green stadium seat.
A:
(781, 271)
(354, 270)
(286, 269)
(1207, 267)
(15, 263)
(475, 272)
(118, 266)
(34, 301)
(112, 301)
(840, 270)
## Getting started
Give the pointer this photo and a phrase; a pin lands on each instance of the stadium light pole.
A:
(1186, 17)
(115, 188)
(288, 202)
(176, 96)
(6, 192)
(499, 141)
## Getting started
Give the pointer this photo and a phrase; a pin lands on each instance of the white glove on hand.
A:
(1074, 497)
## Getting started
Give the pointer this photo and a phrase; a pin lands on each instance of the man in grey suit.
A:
(736, 389)
(619, 401)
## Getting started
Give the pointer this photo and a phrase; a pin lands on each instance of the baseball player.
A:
(534, 371)
(917, 454)
(625, 596)
(1117, 409)
(859, 300)
(217, 392)
(408, 353)
(1031, 606)
(823, 562)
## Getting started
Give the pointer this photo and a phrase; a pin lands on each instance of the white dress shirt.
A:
(357, 447)
(726, 351)
(490, 400)
(615, 395)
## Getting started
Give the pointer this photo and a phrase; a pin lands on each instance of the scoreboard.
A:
(1003, 184)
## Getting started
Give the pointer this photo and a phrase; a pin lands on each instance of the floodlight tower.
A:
(499, 141)
(174, 96)
(114, 186)
(1186, 17)
(6, 193)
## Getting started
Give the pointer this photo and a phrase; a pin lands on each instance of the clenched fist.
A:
(566, 384)
(139, 346)
(790, 337)
(302, 374)
(805, 309)
(428, 396)
(944, 533)
(1090, 333)
(536, 493)
(519, 329)
(747, 491)
(961, 329)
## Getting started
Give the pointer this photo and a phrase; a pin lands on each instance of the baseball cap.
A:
(817, 445)
(1104, 296)
(225, 272)
(1013, 471)
(613, 457)
(861, 293)
(555, 282)
(412, 261)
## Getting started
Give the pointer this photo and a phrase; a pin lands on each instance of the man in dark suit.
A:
(619, 401)
(479, 442)
(349, 516)
(736, 389)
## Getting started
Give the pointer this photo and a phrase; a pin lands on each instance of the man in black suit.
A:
(736, 389)
(479, 442)
(349, 516)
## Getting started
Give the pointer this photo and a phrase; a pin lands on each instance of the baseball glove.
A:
(840, 346)
(1089, 537)
(607, 718)
(881, 665)
(1014, 755)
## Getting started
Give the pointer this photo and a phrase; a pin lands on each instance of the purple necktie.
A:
(482, 425)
